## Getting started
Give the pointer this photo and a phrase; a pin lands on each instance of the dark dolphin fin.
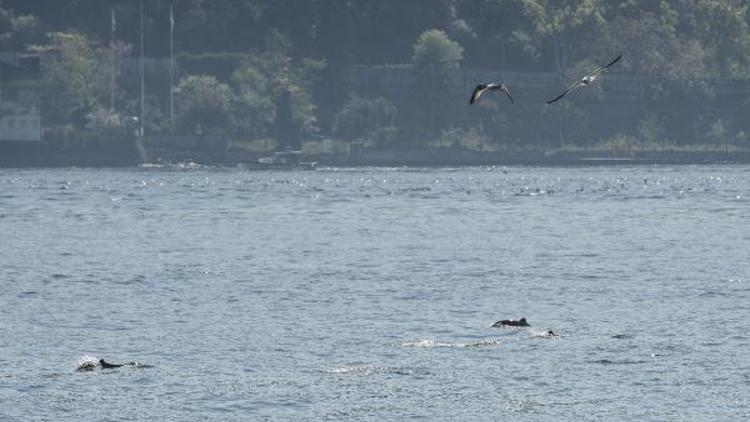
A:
(107, 365)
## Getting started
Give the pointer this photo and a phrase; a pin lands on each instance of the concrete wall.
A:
(21, 127)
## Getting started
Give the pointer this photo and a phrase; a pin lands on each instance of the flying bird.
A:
(591, 77)
(482, 88)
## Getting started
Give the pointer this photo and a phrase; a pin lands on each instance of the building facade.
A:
(20, 80)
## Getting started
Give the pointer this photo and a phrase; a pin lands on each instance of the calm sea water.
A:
(369, 294)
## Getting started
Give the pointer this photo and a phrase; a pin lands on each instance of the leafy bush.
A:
(68, 81)
(253, 105)
(436, 55)
(202, 100)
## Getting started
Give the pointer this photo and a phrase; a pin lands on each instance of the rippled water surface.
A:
(369, 294)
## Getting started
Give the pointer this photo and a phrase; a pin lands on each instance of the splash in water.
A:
(433, 343)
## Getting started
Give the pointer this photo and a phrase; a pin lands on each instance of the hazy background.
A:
(272, 74)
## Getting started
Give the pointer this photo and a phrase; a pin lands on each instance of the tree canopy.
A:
(286, 63)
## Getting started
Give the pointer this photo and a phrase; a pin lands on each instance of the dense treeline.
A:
(281, 69)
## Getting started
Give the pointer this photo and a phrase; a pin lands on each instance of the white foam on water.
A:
(86, 362)
(459, 344)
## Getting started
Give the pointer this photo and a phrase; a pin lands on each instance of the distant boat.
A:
(586, 80)
(287, 159)
(488, 86)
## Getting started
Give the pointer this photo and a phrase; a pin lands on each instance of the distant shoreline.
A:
(40, 154)
(20, 154)
(454, 157)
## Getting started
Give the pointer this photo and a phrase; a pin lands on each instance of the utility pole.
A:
(112, 71)
(142, 77)
(171, 65)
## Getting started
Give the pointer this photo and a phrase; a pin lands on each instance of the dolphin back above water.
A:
(90, 363)
(512, 323)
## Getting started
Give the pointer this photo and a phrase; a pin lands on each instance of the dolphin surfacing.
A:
(90, 364)
(512, 323)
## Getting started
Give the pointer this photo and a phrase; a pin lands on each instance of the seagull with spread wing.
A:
(482, 88)
(586, 80)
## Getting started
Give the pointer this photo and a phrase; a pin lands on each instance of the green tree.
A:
(724, 29)
(654, 47)
(567, 26)
(435, 61)
(291, 87)
(17, 32)
(253, 107)
(202, 103)
(502, 27)
(68, 83)
(229, 20)
(436, 56)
